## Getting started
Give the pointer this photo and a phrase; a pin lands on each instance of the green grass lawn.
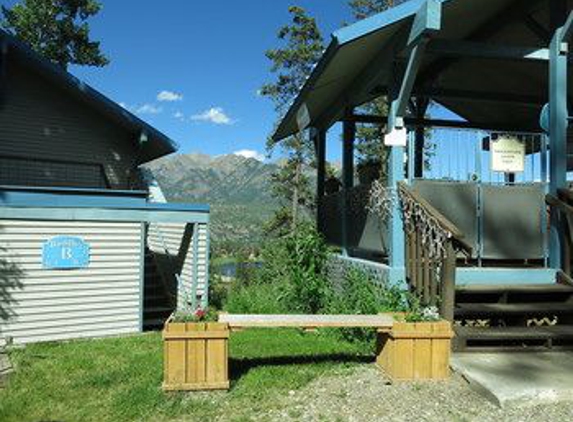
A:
(119, 379)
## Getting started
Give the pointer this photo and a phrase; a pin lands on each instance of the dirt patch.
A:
(365, 395)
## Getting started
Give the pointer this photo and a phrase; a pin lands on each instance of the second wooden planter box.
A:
(416, 351)
(196, 356)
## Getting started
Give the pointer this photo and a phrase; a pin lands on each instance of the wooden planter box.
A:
(416, 351)
(196, 356)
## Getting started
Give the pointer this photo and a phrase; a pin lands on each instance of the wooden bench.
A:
(382, 323)
(197, 354)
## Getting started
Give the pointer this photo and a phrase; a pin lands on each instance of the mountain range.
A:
(237, 188)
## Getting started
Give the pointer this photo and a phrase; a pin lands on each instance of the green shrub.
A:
(218, 290)
(360, 294)
(296, 265)
(254, 299)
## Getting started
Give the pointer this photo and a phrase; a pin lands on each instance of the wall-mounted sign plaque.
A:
(508, 155)
(65, 253)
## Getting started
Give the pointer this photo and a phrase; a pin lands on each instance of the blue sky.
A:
(207, 57)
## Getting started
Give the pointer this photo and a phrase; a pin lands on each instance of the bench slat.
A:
(307, 321)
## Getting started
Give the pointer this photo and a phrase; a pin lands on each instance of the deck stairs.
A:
(514, 317)
(158, 301)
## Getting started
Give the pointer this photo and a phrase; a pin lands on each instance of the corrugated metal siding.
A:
(103, 299)
(40, 121)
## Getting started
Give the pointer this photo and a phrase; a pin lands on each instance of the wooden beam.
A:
(466, 95)
(559, 120)
(349, 137)
(399, 105)
(428, 21)
(420, 137)
(319, 137)
(482, 50)
(515, 11)
(473, 96)
(413, 122)
(538, 30)
(567, 29)
(557, 14)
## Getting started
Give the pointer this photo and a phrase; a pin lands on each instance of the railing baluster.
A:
(431, 273)
(433, 286)
(419, 272)
(426, 276)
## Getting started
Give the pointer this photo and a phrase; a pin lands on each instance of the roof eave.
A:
(91, 95)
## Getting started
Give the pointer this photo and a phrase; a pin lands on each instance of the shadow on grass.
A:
(240, 367)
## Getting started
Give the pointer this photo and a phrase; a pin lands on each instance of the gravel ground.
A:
(364, 395)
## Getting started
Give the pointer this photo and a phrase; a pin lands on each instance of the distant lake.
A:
(230, 269)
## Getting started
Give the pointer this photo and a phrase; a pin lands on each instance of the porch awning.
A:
(359, 64)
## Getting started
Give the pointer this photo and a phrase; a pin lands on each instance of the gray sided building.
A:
(88, 245)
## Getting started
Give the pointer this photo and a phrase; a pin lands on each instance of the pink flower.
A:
(200, 313)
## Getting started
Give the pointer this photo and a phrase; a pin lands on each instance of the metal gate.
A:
(502, 214)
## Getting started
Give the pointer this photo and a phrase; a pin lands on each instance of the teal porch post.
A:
(349, 134)
(558, 123)
(396, 259)
(319, 139)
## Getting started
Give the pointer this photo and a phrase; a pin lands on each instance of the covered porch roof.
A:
(465, 66)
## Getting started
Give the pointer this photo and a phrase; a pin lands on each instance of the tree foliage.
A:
(57, 29)
(362, 9)
(292, 62)
(301, 46)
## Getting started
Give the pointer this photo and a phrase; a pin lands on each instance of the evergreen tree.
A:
(292, 62)
(362, 9)
(57, 29)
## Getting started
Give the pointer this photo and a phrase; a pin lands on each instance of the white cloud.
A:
(249, 153)
(214, 115)
(148, 109)
(179, 115)
(169, 96)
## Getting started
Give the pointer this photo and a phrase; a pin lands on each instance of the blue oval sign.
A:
(65, 252)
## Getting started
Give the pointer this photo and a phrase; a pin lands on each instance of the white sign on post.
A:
(303, 117)
(396, 138)
(507, 155)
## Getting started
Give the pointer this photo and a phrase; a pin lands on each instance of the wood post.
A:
(319, 138)
(349, 134)
(448, 282)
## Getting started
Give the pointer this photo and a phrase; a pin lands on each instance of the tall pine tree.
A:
(301, 46)
(57, 29)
